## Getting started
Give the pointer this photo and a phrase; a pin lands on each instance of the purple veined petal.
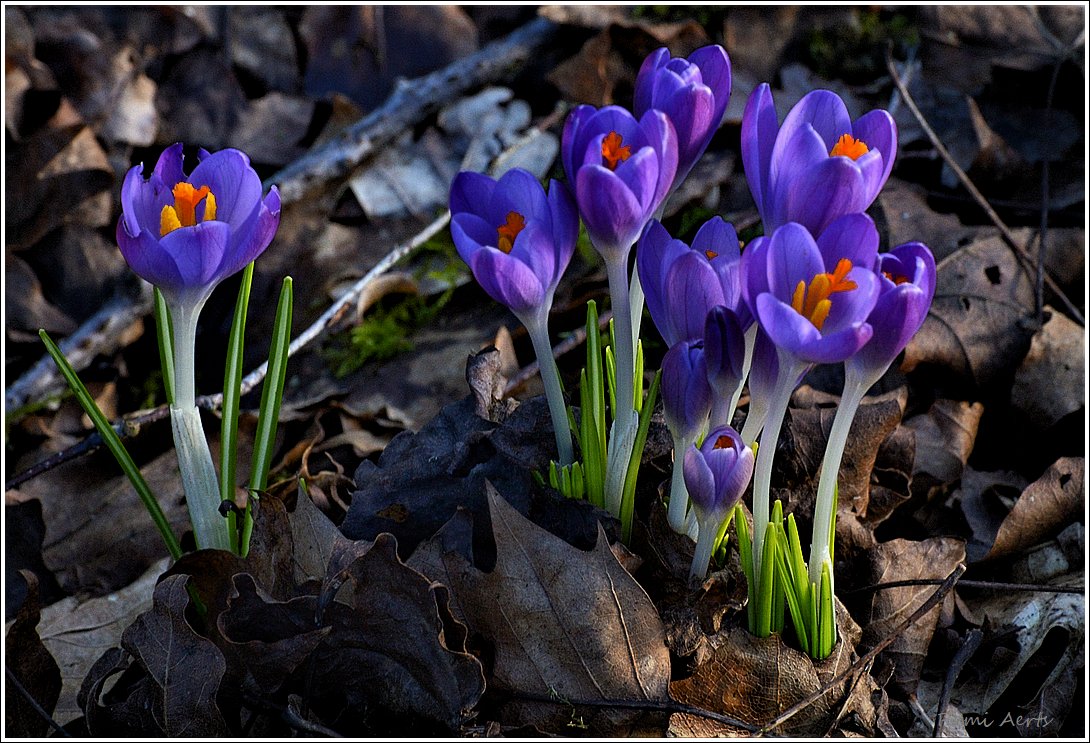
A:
(655, 253)
(168, 169)
(759, 129)
(234, 183)
(691, 110)
(824, 192)
(753, 275)
(699, 480)
(718, 236)
(533, 246)
(517, 191)
(470, 192)
(896, 317)
(571, 148)
(644, 79)
(508, 280)
(686, 396)
(786, 328)
(825, 112)
(198, 252)
(792, 159)
(852, 236)
(148, 259)
(852, 307)
(564, 223)
(471, 234)
(610, 211)
(615, 119)
(878, 131)
(871, 167)
(724, 348)
(683, 69)
(793, 256)
(715, 72)
(140, 204)
(640, 173)
(834, 347)
(765, 367)
(730, 280)
(720, 460)
(916, 262)
(251, 240)
(691, 289)
(660, 135)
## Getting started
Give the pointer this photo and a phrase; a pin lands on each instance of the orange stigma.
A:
(813, 302)
(898, 280)
(849, 146)
(184, 211)
(613, 151)
(711, 254)
(509, 230)
(723, 442)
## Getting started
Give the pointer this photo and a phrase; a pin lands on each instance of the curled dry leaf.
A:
(1050, 382)
(944, 439)
(1045, 508)
(980, 324)
(565, 623)
(898, 560)
(28, 661)
(985, 499)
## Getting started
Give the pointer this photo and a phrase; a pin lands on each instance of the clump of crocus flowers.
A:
(813, 289)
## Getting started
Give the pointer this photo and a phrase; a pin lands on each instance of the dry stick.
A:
(961, 657)
(410, 102)
(869, 657)
(982, 584)
(1019, 251)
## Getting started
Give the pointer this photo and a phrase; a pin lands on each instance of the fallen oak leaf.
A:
(1044, 508)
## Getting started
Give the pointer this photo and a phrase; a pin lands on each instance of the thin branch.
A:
(961, 657)
(868, 658)
(34, 703)
(987, 585)
(1019, 251)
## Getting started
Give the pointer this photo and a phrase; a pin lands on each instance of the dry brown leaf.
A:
(1050, 383)
(28, 661)
(564, 622)
(945, 436)
(979, 326)
(1046, 507)
(898, 560)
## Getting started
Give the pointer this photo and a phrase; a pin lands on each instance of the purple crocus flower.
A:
(724, 357)
(716, 476)
(686, 395)
(621, 170)
(813, 298)
(907, 286)
(516, 240)
(820, 164)
(185, 234)
(692, 92)
(683, 283)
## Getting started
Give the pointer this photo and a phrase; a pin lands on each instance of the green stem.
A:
(554, 394)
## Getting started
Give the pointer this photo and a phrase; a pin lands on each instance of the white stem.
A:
(538, 329)
(679, 494)
(825, 505)
(692, 525)
(635, 301)
(766, 453)
(622, 439)
(199, 480)
(705, 545)
(623, 349)
(747, 364)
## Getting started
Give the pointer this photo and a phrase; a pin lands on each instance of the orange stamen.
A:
(509, 230)
(184, 211)
(723, 442)
(898, 280)
(849, 146)
(711, 254)
(613, 151)
(812, 302)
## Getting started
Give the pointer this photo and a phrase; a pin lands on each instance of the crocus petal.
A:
(759, 129)
(140, 205)
(699, 480)
(690, 290)
(147, 258)
(825, 191)
(655, 253)
(714, 67)
(517, 191)
(718, 236)
(686, 396)
(644, 79)
(793, 256)
(610, 210)
(792, 159)
(660, 135)
(237, 188)
(168, 169)
(571, 141)
(534, 247)
(691, 110)
(198, 251)
(878, 131)
(852, 236)
(471, 234)
(754, 272)
(470, 191)
(724, 349)
(564, 222)
(852, 307)
(786, 328)
(640, 173)
(825, 112)
(897, 316)
(834, 347)
(250, 240)
(507, 280)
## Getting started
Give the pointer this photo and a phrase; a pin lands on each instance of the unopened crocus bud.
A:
(724, 357)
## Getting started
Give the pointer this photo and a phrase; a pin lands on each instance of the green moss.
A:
(855, 53)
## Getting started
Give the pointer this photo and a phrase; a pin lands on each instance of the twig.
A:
(982, 584)
(638, 704)
(573, 341)
(961, 657)
(869, 657)
(1019, 251)
(34, 703)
